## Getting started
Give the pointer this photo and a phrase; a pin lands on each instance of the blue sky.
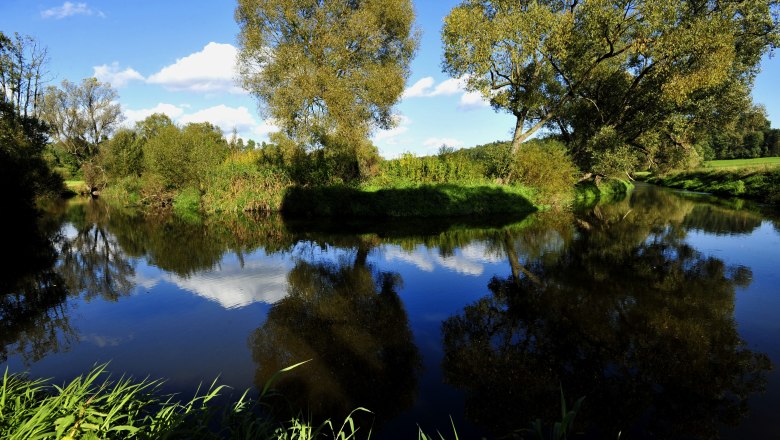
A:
(175, 56)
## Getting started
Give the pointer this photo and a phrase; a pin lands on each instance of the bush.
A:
(443, 168)
(187, 203)
(245, 187)
(184, 157)
(546, 166)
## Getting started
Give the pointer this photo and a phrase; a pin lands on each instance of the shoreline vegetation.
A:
(481, 181)
(97, 405)
(754, 179)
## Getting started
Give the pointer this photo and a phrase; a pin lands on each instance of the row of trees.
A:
(627, 84)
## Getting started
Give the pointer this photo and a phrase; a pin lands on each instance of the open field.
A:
(768, 162)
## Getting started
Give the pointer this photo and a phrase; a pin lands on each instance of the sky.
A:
(176, 57)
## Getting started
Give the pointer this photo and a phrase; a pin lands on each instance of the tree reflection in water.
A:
(628, 315)
(50, 268)
(348, 319)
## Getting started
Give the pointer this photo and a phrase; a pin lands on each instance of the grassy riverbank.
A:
(760, 184)
(465, 183)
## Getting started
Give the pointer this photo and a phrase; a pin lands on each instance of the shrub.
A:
(244, 187)
(187, 203)
(546, 166)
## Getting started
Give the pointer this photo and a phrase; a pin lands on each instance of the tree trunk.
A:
(521, 137)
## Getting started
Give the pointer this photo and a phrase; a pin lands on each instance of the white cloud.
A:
(424, 88)
(449, 87)
(390, 136)
(420, 88)
(133, 116)
(261, 279)
(69, 9)
(473, 100)
(211, 70)
(224, 117)
(436, 142)
(117, 78)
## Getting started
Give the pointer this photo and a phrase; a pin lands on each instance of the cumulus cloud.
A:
(420, 89)
(390, 136)
(473, 100)
(211, 70)
(69, 9)
(116, 77)
(424, 88)
(133, 116)
(436, 142)
(224, 117)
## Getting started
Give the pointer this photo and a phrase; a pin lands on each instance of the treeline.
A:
(748, 136)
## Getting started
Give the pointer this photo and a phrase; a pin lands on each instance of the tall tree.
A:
(22, 73)
(81, 116)
(329, 71)
(536, 58)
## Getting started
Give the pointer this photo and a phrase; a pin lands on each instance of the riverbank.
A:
(759, 184)
(262, 193)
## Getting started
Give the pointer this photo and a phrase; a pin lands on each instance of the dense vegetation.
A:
(761, 184)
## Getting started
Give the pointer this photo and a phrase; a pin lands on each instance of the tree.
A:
(181, 157)
(82, 116)
(22, 73)
(327, 72)
(627, 64)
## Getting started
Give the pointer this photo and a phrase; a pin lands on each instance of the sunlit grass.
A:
(95, 406)
(771, 162)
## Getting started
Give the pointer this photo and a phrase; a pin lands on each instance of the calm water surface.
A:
(662, 309)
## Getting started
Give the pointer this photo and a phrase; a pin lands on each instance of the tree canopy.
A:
(327, 72)
(625, 66)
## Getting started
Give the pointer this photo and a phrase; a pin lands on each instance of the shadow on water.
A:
(348, 319)
(625, 313)
(610, 303)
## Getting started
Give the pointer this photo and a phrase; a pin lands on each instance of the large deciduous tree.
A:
(626, 64)
(82, 116)
(328, 71)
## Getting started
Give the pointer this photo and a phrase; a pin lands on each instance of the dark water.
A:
(662, 309)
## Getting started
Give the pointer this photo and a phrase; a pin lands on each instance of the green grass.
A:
(95, 406)
(77, 186)
(756, 184)
(768, 162)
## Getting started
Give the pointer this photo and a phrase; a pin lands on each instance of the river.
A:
(660, 310)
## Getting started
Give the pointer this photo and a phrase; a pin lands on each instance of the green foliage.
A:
(443, 168)
(24, 174)
(122, 155)
(95, 406)
(186, 204)
(327, 72)
(81, 116)
(242, 187)
(750, 183)
(641, 68)
(546, 166)
(183, 157)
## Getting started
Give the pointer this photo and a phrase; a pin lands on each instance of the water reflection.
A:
(613, 303)
(345, 316)
(33, 320)
(628, 315)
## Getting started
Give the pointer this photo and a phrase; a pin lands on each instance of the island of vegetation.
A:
(599, 89)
